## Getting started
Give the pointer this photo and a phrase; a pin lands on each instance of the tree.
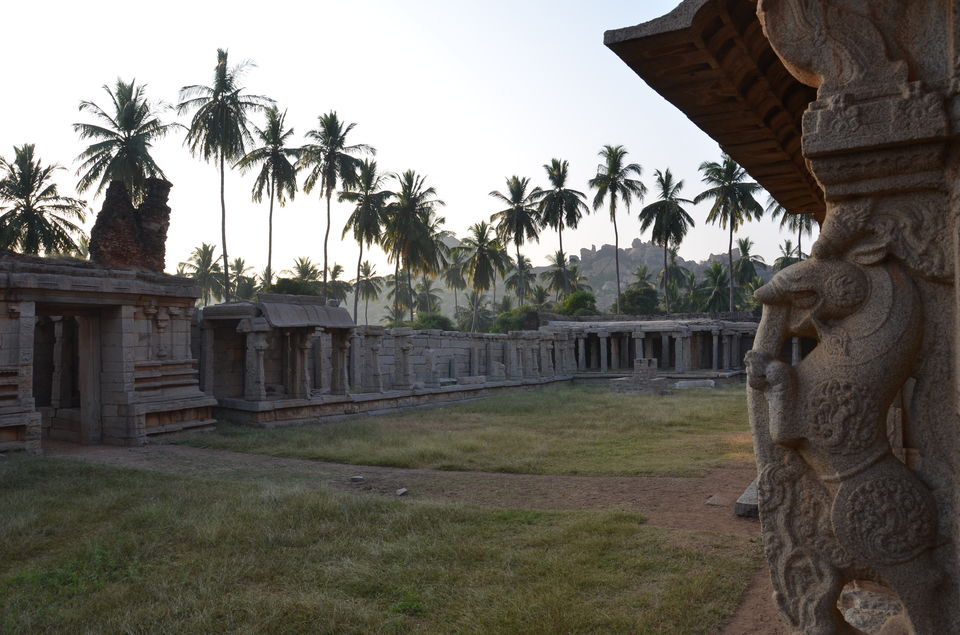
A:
(336, 288)
(36, 218)
(304, 270)
(393, 315)
(560, 206)
(614, 182)
(368, 286)
(745, 268)
(278, 171)
(219, 128)
(244, 284)
(787, 256)
(476, 315)
(669, 220)
(541, 297)
(204, 269)
(366, 220)
(712, 290)
(123, 135)
(330, 161)
(520, 220)
(400, 292)
(522, 279)
(579, 303)
(638, 300)
(426, 299)
(679, 285)
(557, 276)
(733, 201)
(453, 276)
(800, 223)
(484, 258)
(411, 233)
(642, 277)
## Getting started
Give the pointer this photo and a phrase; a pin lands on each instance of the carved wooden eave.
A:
(711, 60)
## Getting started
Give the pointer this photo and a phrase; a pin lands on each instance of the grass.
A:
(98, 549)
(559, 430)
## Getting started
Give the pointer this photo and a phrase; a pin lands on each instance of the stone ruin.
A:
(848, 110)
(129, 237)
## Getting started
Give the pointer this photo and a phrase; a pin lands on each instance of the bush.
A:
(292, 286)
(579, 303)
(516, 320)
(433, 321)
(638, 301)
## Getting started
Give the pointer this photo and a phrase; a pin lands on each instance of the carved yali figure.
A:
(835, 504)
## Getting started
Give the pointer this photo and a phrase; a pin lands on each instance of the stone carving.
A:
(128, 237)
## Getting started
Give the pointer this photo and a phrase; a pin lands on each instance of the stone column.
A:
(664, 351)
(716, 350)
(615, 351)
(373, 373)
(639, 339)
(546, 359)
(737, 352)
(582, 350)
(339, 381)
(304, 346)
(794, 351)
(255, 330)
(356, 361)
(474, 358)
(403, 363)
(603, 336)
(488, 357)
(647, 347)
(432, 379)
(679, 352)
(688, 362)
(727, 353)
(208, 362)
(530, 348)
(56, 379)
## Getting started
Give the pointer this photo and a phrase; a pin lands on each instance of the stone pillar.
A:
(794, 351)
(582, 351)
(603, 336)
(373, 373)
(615, 351)
(208, 361)
(488, 357)
(56, 379)
(510, 358)
(546, 359)
(530, 356)
(89, 367)
(339, 380)
(639, 339)
(716, 350)
(679, 353)
(664, 351)
(647, 347)
(727, 353)
(304, 343)
(474, 358)
(356, 361)
(737, 352)
(403, 364)
(688, 362)
(432, 379)
(255, 330)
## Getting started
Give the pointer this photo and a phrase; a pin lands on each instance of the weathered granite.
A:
(129, 237)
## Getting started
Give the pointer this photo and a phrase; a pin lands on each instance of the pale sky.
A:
(464, 92)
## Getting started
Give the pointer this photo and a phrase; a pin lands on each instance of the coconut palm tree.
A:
(642, 278)
(203, 268)
(745, 268)
(676, 280)
(712, 290)
(278, 171)
(304, 270)
(219, 130)
(749, 289)
(476, 313)
(485, 259)
(522, 279)
(368, 286)
(337, 289)
(330, 161)
(243, 283)
(800, 223)
(578, 282)
(453, 276)
(426, 300)
(393, 314)
(557, 276)
(33, 215)
(123, 134)
(520, 220)
(733, 201)
(411, 228)
(366, 220)
(614, 182)
(669, 220)
(787, 256)
(560, 206)
(541, 297)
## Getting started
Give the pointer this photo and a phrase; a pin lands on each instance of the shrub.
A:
(579, 303)
(292, 286)
(516, 320)
(639, 301)
(430, 321)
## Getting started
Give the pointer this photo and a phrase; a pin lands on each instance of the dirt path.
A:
(665, 501)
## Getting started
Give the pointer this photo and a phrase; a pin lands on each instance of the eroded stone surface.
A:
(128, 237)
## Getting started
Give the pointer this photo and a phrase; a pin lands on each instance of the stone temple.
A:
(848, 110)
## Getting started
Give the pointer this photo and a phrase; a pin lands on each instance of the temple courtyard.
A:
(532, 511)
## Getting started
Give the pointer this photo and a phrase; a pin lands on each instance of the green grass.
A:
(559, 430)
(94, 549)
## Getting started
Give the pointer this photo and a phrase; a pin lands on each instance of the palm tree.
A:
(675, 279)
(669, 220)
(393, 314)
(476, 313)
(642, 277)
(453, 276)
(368, 286)
(411, 229)
(244, 284)
(337, 289)
(787, 256)
(485, 259)
(304, 270)
(36, 218)
(746, 266)
(578, 282)
(614, 182)
(559, 205)
(426, 300)
(541, 297)
(278, 171)
(123, 135)
(800, 223)
(520, 220)
(330, 161)
(219, 128)
(749, 289)
(713, 288)
(557, 276)
(733, 202)
(522, 279)
(205, 271)
(366, 220)
(399, 292)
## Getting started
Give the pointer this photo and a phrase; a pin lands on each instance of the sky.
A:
(467, 93)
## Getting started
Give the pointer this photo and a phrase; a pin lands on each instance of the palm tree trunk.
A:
(223, 232)
(666, 298)
(519, 278)
(473, 318)
(560, 232)
(616, 253)
(410, 291)
(366, 308)
(800, 244)
(356, 288)
(456, 303)
(326, 239)
(730, 264)
(273, 189)
(396, 286)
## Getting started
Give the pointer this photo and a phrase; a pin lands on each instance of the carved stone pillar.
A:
(373, 373)
(474, 358)
(639, 339)
(208, 361)
(403, 364)
(339, 380)
(614, 352)
(878, 295)
(714, 360)
(602, 337)
(56, 378)
(255, 329)
(356, 361)
(546, 357)
(664, 351)
(794, 350)
(678, 353)
(582, 351)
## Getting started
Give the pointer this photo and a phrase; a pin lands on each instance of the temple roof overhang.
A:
(711, 59)
(284, 312)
